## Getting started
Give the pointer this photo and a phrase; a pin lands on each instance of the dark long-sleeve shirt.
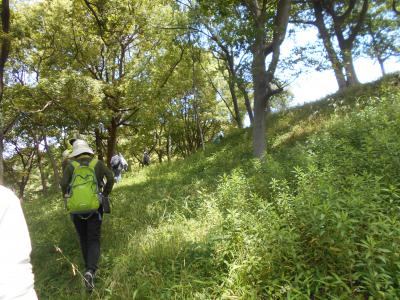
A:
(101, 171)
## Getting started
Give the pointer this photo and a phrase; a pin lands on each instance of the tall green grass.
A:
(318, 218)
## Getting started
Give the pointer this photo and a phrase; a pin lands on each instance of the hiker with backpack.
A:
(81, 186)
(146, 158)
(124, 163)
(118, 164)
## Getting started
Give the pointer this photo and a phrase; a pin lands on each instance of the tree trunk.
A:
(41, 169)
(99, 144)
(5, 50)
(237, 117)
(22, 186)
(231, 83)
(260, 96)
(195, 99)
(381, 65)
(262, 78)
(169, 147)
(112, 139)
(160, 156)
(333, 58)
(247, 103)
(351, 76)
(341, 27)
(52, 162)
(27, 169)
(375, 45)
(158, 147)
(199, 128)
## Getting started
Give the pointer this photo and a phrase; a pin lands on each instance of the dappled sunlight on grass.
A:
(316, 218)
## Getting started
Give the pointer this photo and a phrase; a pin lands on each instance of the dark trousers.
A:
(89, 235)
(117, 171)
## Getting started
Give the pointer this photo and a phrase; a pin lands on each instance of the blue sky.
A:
(313, 85)
(316, 85)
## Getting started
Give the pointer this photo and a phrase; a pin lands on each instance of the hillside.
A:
(317, 219)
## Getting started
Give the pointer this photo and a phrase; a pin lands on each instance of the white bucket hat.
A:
(79, 147)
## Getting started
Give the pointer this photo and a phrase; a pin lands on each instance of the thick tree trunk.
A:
(112, 139)
(260, 97)
(262, 78)
(351, 76)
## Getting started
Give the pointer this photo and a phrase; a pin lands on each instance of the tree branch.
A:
(171, 70)
(275, 91)
(216, 90)
(299, 21)
(10, 124)
(280, 25)
(360, 21)
(98, 21)
(126, 118)
(339, 18)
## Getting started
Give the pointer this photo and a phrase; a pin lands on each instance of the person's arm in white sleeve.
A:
(16, 277)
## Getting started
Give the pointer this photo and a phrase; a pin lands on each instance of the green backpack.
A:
(83, 189)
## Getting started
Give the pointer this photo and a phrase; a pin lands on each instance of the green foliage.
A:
(318, 218)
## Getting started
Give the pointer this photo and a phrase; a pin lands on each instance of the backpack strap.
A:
(75, 164)
(93, 163)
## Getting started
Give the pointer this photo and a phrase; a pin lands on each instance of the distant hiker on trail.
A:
(118, 164)
(218, 137)
(81, 185)
(146, 158)
(124, 163)
(16, 277)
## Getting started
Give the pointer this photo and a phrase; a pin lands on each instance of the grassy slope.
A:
(318, 218)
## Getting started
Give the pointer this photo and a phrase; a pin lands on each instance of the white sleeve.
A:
(16, 277)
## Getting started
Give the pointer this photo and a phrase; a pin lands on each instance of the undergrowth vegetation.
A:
(318, 218)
